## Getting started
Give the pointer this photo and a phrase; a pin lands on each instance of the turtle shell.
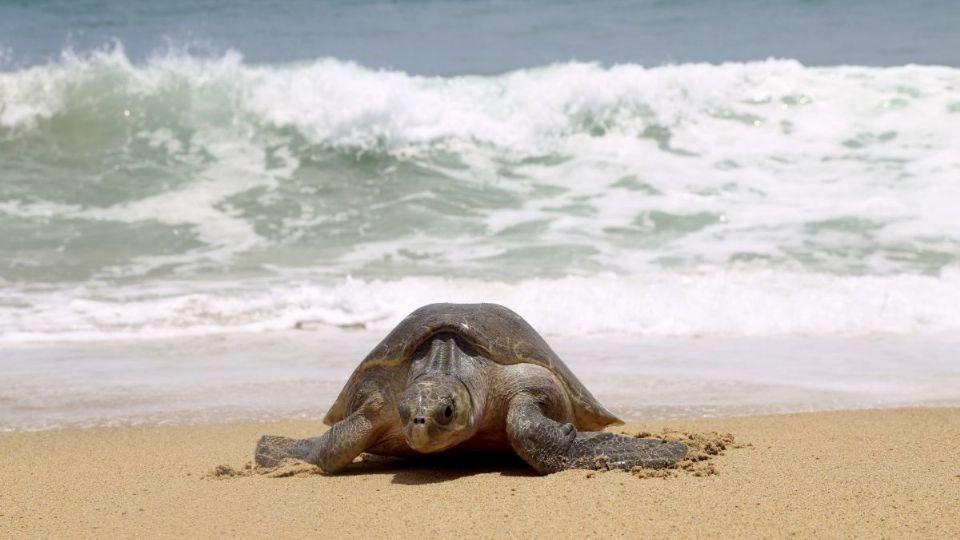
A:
(498, 333)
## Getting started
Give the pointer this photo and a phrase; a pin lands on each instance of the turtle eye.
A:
(448, 412)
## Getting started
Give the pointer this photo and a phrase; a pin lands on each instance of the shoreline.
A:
(289, 374)
(886, 472)
(315, 416)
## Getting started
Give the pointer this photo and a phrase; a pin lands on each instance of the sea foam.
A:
(712, 304)
(200, 194)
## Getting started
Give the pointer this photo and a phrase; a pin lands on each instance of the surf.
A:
(180, 178)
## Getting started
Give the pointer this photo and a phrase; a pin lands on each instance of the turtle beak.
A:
(418, 433)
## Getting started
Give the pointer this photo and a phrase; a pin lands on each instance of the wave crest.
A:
(342, 104)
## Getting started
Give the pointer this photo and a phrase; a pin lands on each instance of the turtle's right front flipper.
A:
(331, 451)
(549, 446)
(272, 449)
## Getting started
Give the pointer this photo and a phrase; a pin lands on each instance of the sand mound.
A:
(703, 447)
(286, 468)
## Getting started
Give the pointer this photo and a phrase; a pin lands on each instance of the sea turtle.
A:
(470, 378)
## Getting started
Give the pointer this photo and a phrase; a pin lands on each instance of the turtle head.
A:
(436, 412)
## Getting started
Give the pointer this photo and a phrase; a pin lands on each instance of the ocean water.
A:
(188, 194)
(616, 172)
(488, 37)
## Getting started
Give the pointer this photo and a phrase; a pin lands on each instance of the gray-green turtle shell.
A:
(497, 332)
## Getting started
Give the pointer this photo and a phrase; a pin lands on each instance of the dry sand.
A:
(890, 473)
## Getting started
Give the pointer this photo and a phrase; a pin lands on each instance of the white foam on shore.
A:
(728, 303)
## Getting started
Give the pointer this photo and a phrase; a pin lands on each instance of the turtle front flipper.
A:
(549, 446)
(272, 449)
(331, 451)
(602, 450)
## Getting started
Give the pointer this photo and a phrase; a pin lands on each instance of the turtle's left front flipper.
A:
(550, 446)
(596, 450)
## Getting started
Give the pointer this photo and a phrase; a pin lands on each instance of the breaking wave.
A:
(194, 194)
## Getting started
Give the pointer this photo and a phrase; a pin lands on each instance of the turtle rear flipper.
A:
(549, 446)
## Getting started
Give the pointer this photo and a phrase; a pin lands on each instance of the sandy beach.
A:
(881, 473)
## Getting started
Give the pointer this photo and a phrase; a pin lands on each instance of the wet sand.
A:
(881, 473)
